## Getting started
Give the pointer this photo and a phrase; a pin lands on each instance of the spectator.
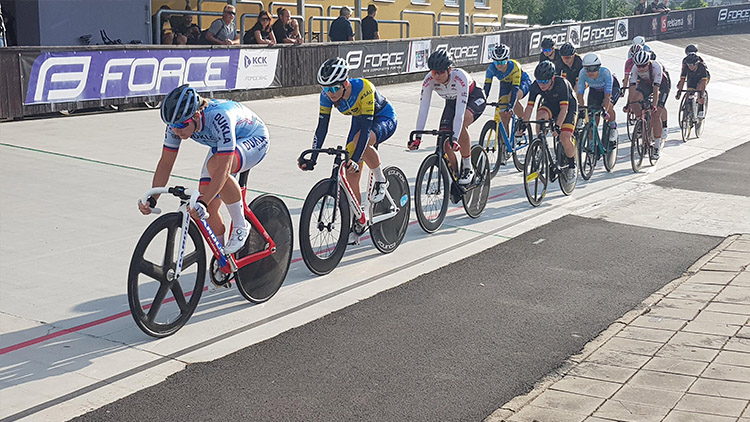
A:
(341, 29)
(223, 31)
(261, 32)
(163, 35)
(640, 8)
(3, 42)
(286, 29)
(186, 31)
(652, 7)
(370, 25)
(662, 7)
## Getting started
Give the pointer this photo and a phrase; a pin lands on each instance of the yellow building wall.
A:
(420, 25)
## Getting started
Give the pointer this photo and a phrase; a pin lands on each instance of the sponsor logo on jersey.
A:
(222, 125)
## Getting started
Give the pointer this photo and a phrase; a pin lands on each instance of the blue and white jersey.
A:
(222, 123)
(603, 82)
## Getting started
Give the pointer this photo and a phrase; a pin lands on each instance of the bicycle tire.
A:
(388, 234)
(146, 316)
(566, 186)
(700, 122)
(684, 118)
(475, 200)
(536, 172)
(650, 144)
(322, 258)
(519, 151)
(491, 145)
(427, 194)
(610, 149)
(637, 147)
(258, 281)
(586, 152)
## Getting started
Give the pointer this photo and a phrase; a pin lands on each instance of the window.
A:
(451, 3)
(482, 4)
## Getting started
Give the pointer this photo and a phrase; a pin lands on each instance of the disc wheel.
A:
(475, 199)
(160, 302)
(637, 147)
(491, 145)
(258, 281)
(431, 194)
(324, 227)
(536, 173)
(388, 234)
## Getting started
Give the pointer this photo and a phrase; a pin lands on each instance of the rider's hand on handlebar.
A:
(145, 208)
(677, 96)
(454, 144)
(200, 211)
(351, 167)
(305, 164)
(413, 145)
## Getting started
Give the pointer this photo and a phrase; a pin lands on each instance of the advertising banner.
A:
(376, 59)
(600, 32)
(489, 43)
(559, 34)
(419, 52)
(464, 50)
(676, 21)
(734, 15)
(92, 75)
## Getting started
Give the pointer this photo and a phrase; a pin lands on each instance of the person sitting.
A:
(162, 35)
(223, 31)
(286, 29)
(261, 32)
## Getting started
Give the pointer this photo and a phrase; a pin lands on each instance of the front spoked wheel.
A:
(475, 199)
(388, 234)
(258, 281)
(637, 146)
(586, 153)
(431, 194)
(491, 145)
(536, 173)
(160, 302)
(610, 147)
(324, 227)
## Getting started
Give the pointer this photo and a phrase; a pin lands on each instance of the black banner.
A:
(464, 50)
(376, 59)
(667, 23)
(599, 32)
(732, 15)
(558, 33)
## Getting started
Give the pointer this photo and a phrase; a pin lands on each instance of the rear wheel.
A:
(324, 227)
(475, 199)
(685, 117)
(700, 122)
(388, 234)
(536, 173)
(567, 186)
(489, 142)
(431, 194)
(610, 147)
(586, 152)
(519, 151)
(637, 146)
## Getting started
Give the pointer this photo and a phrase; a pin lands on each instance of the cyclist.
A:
(559, 104)
(549, 52)
(238, 139)
(373, 121)
(639, 40)
(514, 82)
(604, 89)
(695, 72)
(464, 104)
(650, 79)
(635, 48)
(571, 63)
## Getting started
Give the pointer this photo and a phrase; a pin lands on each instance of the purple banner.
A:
(92, 75)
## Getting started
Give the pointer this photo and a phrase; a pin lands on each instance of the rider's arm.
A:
(516, 75)
(424, 101)
(323, 120)
(462, 100)
(533, 93)
(488, 81)
(164, 168)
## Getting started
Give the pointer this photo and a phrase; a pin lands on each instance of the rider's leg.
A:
(465, 141)
(701, 97)
(372, 159)
(231, 195)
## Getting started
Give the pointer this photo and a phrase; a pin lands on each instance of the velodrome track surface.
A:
(69, 225)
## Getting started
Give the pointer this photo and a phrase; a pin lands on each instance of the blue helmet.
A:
(180, 104)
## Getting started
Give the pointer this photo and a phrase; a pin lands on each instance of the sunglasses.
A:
(501, 62)
(438, 72)
(567, 57)
(265, 19)
(182, 125)
(543, 82)
(230, 12)
(592, 69)
(546, 50)
(641, 66)
(332, 89)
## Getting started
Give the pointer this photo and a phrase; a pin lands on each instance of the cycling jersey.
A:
(365, 105)
(557, 60)
(652, 74)
(629, 66)
(221, 125)
(561, 94)
(456, 89)
(694, 77)
(513, 77)
(603, 82)
(571, 72)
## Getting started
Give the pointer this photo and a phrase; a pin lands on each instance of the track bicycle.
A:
(437, 183)
(499, 145)
(543, 163)
(168, 267)
(688, 116)
(642, 142)
(331, 211)
(590, 145)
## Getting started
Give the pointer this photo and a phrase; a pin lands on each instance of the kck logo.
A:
(255, 61)
(536, 38)
(734, 15)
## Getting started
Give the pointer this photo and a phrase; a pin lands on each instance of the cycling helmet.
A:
(333, 71)
(180, 104)
(641, 58)
(567, 49)
(692, 58)
(544, 71)
(548, 43)
(634, 49)
(591, 59)
(639, 40)
(439, 60)
(692, 48)
(500, 52)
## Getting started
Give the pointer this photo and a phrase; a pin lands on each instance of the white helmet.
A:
(641, 58)
(591, 59)
(639, 40)
(500, 52)
(333, 71)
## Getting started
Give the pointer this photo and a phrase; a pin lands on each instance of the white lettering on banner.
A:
(256, 69)
(190, 62)
(672, 23)
(178, 72)
(733, 15)
(109, 75)
(354, 59)
(79, 76)
(589, 34)
(385, 59)
(536, 38)
(464, 52)
(149, 63)
(211, 71)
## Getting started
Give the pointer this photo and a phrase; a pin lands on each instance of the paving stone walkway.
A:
(682, 356)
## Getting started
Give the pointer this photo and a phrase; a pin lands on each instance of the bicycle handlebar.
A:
(415, 133)
(495, 104)
(330, 151)
(181, 192)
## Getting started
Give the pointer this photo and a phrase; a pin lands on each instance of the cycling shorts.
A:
(249, 152)
(570, 118)
(693, 81)
(648, 89)
(507, 87)
(476, 104)
(596, 97)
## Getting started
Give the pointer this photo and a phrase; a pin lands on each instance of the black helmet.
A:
(544, 71)
(180, 104)
(692, 58)
(548, 43)
(439, 60)
(692, 48)
(567, 49)
(333, 71)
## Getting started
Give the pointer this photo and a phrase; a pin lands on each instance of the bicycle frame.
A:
(592, 114)
(500, 128)
(442, 137)
(544, 129)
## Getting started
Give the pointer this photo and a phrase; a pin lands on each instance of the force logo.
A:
(373, 61)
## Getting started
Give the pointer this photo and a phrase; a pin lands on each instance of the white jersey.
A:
(458, 87)
(653, 77)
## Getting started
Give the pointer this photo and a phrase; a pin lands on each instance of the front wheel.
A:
(685, 118)
(637, 146)
(536, 172)
(258, 281)
(610, 147)
(160, 302)
(586, 152)
(567, 186)
(475, 199)
(388, 234)
(699, 123)
(491, 145)
(324, 227)
(630, 124)
(431, 194)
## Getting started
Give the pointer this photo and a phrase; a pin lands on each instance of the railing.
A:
(272, 5)
(157, 40)
(252, 2)
(472, 25)
(515, 21)
(401, 23)
(255, 15)
(332, 8)
(421, 12)
(324, 31)
(450, 23)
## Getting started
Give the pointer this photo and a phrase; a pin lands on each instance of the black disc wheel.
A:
(475, 198)
(492, 146)
(160, 301)
(610, 147)
(258, 281)
(536, 173)
(586, 147)
(388, 234)
(637, 146)
(431, 194)
(324, 227)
